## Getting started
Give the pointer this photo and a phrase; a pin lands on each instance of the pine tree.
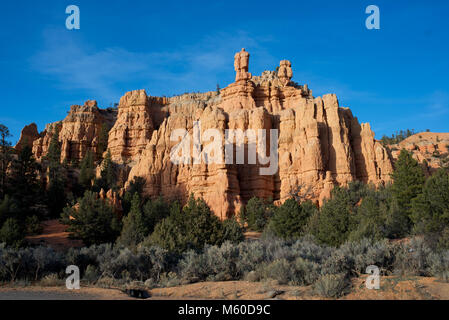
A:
(203, 227)
(290, 219)
(232, 231)
(102, 140)
(56, 176)
(24, 187)
(430, 209)
(192, 228)
(257, 213)
(108, 173)
(155, 210)
(408, 180)
(87, 171)
(12, 233)
(94, 221)
(370, 220)
(8, 209)
(136, 185)
(335, 221)
(134, 228)
(54, 149)
(5, 157)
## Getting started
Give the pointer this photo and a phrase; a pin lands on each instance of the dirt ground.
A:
(391, 288)
(55, 236)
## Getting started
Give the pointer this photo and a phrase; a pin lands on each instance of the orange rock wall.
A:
(320, 144)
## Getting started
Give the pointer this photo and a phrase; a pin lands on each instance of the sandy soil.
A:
(55, 236)
(392, 288)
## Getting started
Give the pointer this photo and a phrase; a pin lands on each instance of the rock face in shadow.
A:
(319, 143)
(28, 135)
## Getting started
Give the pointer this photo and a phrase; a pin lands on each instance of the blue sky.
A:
(395, 78)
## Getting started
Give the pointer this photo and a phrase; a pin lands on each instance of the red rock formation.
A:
(133, 128)
(28, 135)
(241, 65)
(285, 72)
(41, 145)
(113, 200)
(319, 145)
(78, 132)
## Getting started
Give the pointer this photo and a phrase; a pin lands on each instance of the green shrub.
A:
(94, 221)
(193, 267)
(134, 228)
(305, 272)
(339, 262)
(412, 258)
(51, 280)
(33, 225)
(214, 264)
(408, 180)
(257, 213)
(195, 227)
(43, 261)
(146, 263)
(335, 221)
(154, 211)
(439, 265)
(331, 285)
(370, 220)
(279, 270)
(366, 252)
(92, 274)
(430, 210)
(251, 254)
(232, 231)
(85, 256)
(290, 219)
(11, 233)
(308, 249)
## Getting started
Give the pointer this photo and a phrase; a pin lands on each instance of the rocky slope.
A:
(319, 143)
(429, 148)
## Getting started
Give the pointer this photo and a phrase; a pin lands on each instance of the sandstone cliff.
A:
(78, 132)
(319, 143)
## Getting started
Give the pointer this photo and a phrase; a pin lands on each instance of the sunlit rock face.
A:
(318, 143)
(78, 133)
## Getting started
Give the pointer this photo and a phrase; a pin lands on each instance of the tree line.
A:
(412, 204)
